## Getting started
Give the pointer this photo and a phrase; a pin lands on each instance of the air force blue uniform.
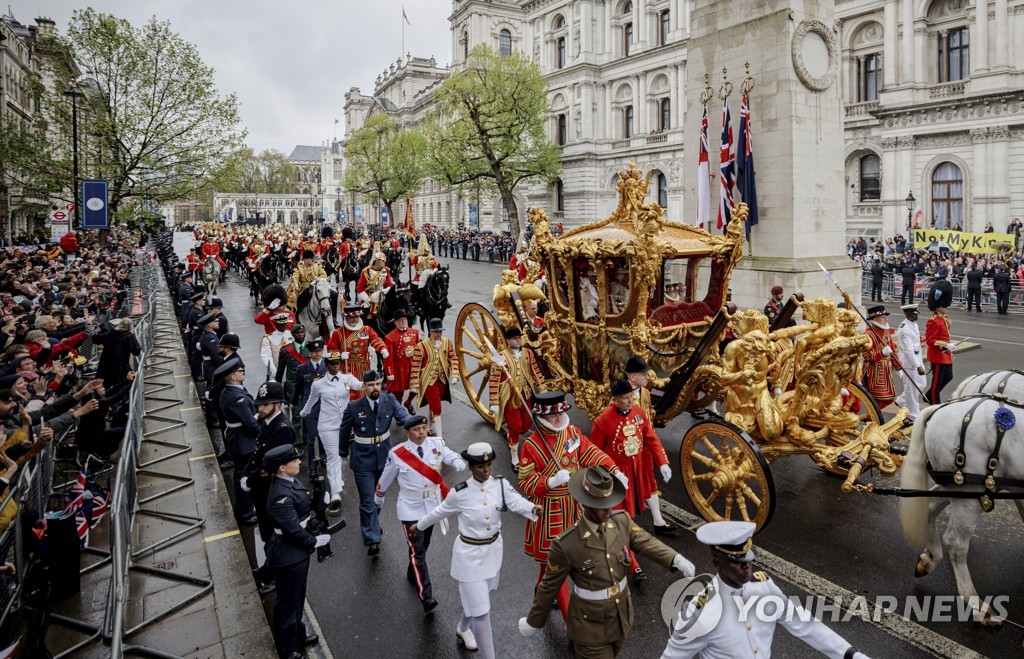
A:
(239, 410)
(368, 436)
(288, 551)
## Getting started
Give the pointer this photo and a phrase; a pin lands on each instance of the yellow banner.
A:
(961, 241)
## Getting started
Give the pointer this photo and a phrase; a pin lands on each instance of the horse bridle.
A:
(320, 314)
(431, 297)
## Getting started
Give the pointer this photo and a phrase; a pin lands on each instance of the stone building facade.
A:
(932, 105)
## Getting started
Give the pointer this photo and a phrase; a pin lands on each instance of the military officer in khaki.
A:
(594, 555)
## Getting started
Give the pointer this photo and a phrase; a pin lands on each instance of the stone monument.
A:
(793, 52)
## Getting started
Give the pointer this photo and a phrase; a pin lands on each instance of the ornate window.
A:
(954, 54)
(664, 114)
(869, 81)
(465, 45)
(627, 121)
(627, 39)
(559, 22)
(662, 190)
(505, 43)
(563, 132)
(663, 27)
(560, 53)
(627, 8)
(559, 195)
(870, 178)
(947, 196)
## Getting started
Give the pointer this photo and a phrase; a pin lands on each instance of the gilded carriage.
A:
(639, 284)
(633, 284)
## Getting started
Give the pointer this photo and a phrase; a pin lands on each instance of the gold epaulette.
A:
(760, 576)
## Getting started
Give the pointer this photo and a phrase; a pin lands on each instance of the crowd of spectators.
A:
(57, 304)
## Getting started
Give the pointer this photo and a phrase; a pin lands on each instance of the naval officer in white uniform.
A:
(476, 556)
(711, 625)
(909, 338)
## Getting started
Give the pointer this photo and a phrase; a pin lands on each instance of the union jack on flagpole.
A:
(703, 175)
(728, 161)
(745, 163)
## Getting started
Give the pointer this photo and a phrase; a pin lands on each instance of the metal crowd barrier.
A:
(892, 291)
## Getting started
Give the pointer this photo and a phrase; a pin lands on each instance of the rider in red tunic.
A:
(211, 248)
(880, 357)
(354, 341)
(401, 343)
(624, 431)
(547, 459)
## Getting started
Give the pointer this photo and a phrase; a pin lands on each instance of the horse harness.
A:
(1001, 388)
(1005, 420)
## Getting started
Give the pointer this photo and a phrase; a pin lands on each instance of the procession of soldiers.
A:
(342, 383)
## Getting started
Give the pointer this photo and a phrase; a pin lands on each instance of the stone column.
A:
(799, 121)
(587, 110)
(639, 25)
(675, 98)
(922, 47)
(979, 38)
(861, 86)
(907, 56)
(609, 33)
(977, 186)
(586, 25)
(892, 184)
(944, 60)
(640, 108)
(1001, 59)
(889, 42)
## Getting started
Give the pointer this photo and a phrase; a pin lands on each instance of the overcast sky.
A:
(290, 63)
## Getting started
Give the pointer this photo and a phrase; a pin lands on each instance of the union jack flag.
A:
(728, 159)
(703, 175)
(73, 500)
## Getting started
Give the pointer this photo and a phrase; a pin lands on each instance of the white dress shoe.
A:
(467, 638)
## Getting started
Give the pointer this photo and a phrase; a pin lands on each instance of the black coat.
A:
(909, 274)
(974, 280)
(118, 347)
(278, 432)
(876, 274)
(288, 505)
(1001, 281)
(239, 412)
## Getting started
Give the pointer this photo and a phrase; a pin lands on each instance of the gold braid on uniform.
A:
(742, 551)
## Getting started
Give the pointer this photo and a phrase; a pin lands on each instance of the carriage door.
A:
(589, 316)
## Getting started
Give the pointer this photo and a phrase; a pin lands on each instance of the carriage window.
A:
(677, 300)
(617, 275)
(587, 299)
(560, 287)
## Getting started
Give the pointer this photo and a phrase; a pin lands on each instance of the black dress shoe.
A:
(667, 529)
(248, 518)
(266, 589)
(373, 549)
(429, 604)
(296, 655)
(225, 462)
(639, 577)
(311, 639)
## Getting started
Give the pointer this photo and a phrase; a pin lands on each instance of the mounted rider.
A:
(423, 263)
(326, 241)
(347, 243)
(374, 279)
(274, 297)
(211, 247)
(363, 245)
(306, 272)
(258, 250)
(310, 242)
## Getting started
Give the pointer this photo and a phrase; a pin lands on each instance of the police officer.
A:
(595, 555)
(728, 633)
(275, 430)
(304, 377)
(288, 549)
(191, 313)
(216, 306)
(366, 425)
(205, 324)
(239, 410)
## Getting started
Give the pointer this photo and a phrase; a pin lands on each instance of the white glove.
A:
(461, 465)
(244, 483)
(455, 379)
(666, 473)
(526, 629)
(886, 351)
(844, 391)
(495, 409)
(684, 566)
(378, 500)
(363, 297)
(622, 479)
(273, 305)
(500, 360)
(561, 478)
(322, 540)
(384, 353)
(344, 355)
(327, 498)
(390, 378)
(860, 655)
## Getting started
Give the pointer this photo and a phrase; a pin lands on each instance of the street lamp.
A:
(75, 93)
(910, 209)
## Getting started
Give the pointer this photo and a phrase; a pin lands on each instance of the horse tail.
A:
(914, 510)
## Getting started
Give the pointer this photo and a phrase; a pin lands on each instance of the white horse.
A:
(934, 443)
(1007, 383)
(317, 315)
(211, 275)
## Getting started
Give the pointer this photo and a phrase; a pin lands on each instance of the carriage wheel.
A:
(869, 411)
(475, 324)
(725, 474)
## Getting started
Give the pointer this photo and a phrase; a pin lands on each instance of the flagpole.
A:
(402, 54)
(745, 87)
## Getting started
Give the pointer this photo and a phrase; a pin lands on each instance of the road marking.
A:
(895, 625)
(203, 457)
(190, 409)
(221, 536)
(982, 340)
(183, 375)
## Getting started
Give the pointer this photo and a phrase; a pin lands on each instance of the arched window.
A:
(563, 133)
(627, 8)
(465, 45)
(560, 53)
(505, 43)
(559, 195)
(870, 178)
(947, 196)
(627, 121)
(662, 190)
(559, 22)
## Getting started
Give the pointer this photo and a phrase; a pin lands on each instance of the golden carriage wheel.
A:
(725, 474)
(474, 327)
(869, 411)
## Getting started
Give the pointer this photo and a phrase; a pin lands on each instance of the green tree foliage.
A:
(153, 123)
(270, 172)
(488, 127)
(384, 160)
(28, 171)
